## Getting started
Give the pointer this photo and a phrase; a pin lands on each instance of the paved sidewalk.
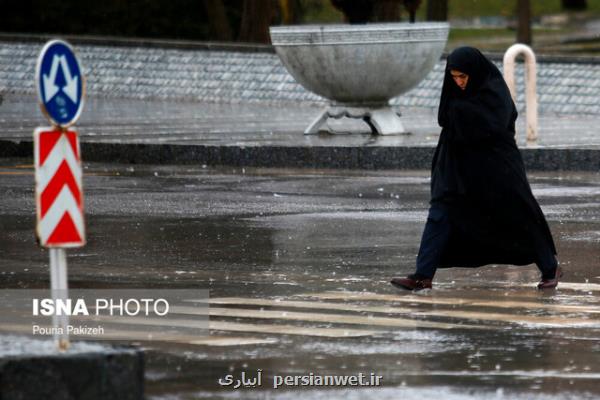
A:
(202, 123)
(161, 131)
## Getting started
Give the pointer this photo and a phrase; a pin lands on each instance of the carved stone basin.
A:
(359, 68)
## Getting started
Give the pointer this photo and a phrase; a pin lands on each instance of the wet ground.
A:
(297, 263)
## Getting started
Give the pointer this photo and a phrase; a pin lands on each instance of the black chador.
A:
(482, 208)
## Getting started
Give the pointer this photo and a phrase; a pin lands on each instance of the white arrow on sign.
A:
(71, 88)
(50, 87)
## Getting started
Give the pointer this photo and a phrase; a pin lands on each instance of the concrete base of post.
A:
(87, 371)
(381, 119)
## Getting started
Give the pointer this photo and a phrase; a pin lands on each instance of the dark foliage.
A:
(178, 19)
(575, 5)
(364, 11)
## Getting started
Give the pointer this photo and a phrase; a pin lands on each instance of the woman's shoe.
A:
(552, 282)
(412, 282)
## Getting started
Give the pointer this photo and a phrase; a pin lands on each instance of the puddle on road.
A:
(389, 393)
(345, 216)
(586, 236)
(566, 191)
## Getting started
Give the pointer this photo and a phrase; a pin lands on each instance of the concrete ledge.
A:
(546, 58)
(229, 46)
(110, 373)
(139, 42)
(369, 158)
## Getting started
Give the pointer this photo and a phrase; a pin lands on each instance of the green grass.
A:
(475, 33)
(461, 34)
(480, 8)
(321, 11)
(487, 39)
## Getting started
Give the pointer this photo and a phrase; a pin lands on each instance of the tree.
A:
(386, 11)
(363, 11)
(256, 18)
(219, 27)
(437, 10)
(574, 5)
(412, 6)
(524, 21)
(291, 11)
(355, 11)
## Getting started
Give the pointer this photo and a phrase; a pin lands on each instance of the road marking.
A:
(290, 330)
(324, 318)
(395, 310)
(24, 173)
(483, 316)
(555, 321)
(574, 286)
(451, 301)
(223, 341)
(15, 173)
(238, 327)
(583, 287)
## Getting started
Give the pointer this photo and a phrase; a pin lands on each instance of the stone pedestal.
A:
(34, 370)
(363, 66)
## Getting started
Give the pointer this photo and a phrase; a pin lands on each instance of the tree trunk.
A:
(412, 6)
(386, 11)
(256, 18)
(218, 23)
(291, 12)
(437, 10)
(355, 11)
(574, 5)
(524, 21)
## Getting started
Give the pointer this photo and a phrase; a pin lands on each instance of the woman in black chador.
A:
(482, 209)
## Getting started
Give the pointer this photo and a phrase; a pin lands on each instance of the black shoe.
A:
(551, 283)
(412, 282)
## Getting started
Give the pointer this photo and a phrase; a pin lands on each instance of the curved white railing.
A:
(530, 84)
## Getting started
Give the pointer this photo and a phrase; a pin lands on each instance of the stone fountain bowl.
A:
(360, 64)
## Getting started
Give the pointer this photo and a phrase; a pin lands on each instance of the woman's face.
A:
(460, 78)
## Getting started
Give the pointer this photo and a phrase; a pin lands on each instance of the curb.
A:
(340, 157)
(116, 373)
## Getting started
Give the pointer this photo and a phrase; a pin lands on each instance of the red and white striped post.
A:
(59, 201)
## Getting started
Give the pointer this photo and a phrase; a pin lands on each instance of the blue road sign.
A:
(59, 81)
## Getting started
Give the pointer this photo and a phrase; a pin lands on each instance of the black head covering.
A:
(483, 76)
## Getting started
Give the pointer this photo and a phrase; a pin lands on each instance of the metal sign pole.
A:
(59, 287)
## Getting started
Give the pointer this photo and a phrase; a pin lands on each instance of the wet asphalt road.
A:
(298, 262)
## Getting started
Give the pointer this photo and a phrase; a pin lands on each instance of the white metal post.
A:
(530, 84)
(59, 288)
